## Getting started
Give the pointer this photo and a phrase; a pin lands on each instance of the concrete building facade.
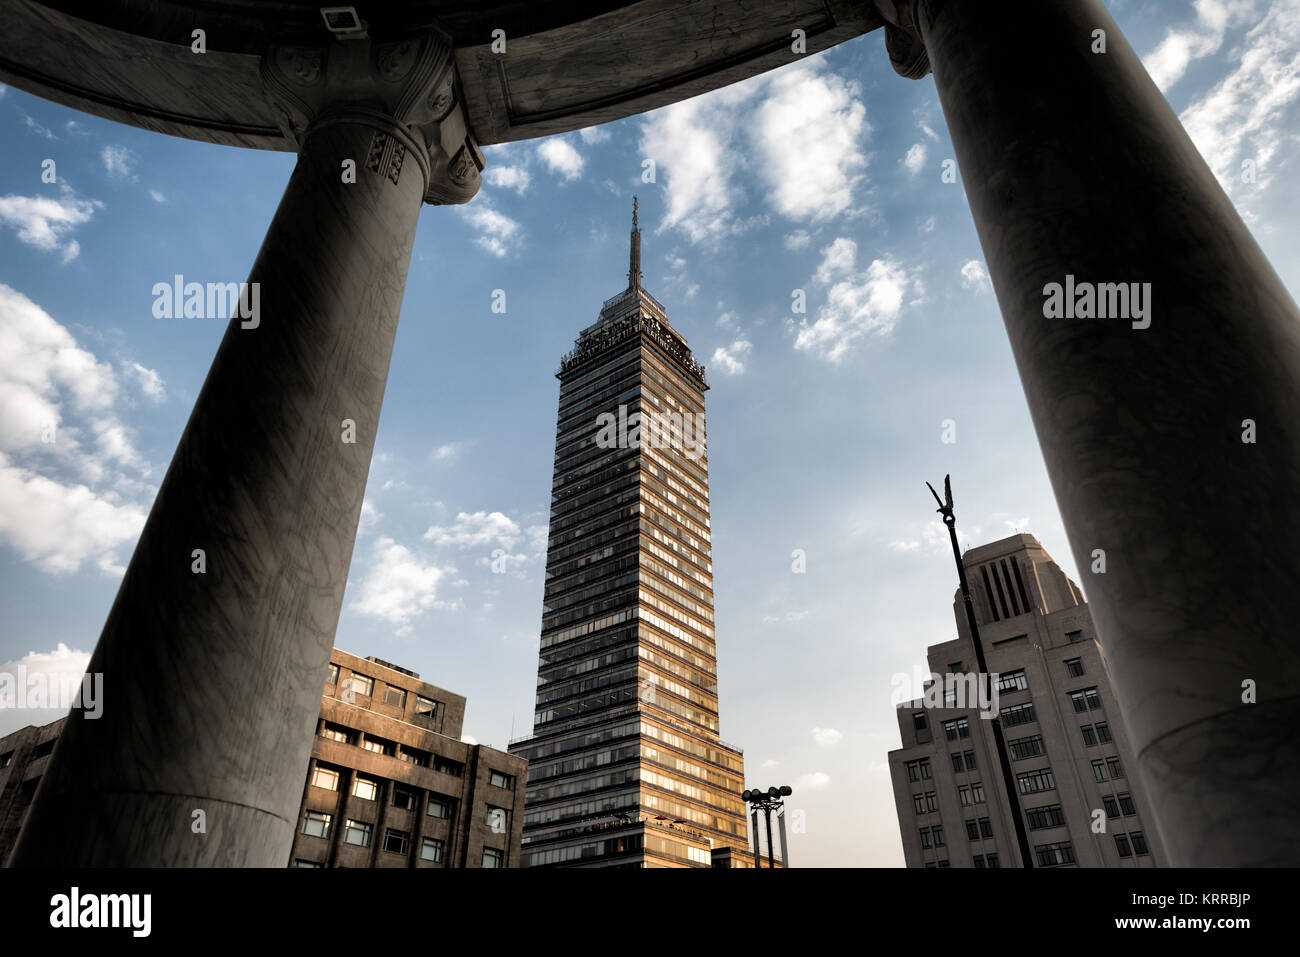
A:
(391, 784)
(24, 756)
(1068, 745)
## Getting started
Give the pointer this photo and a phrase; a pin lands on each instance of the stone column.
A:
(1075, 165)
(213, 677)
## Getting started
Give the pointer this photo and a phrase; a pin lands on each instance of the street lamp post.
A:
(768, 801)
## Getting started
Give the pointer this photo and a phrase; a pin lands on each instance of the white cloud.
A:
(928, 225)
(826, 737)
(150, 382)
(560, 157)
(61, 668)
(47, 223)
(973, 276)
(508, 177)
(119, 162)
(1247, 114)
(730, 360)
(799, 239)
(156, 196)
(56, 411)
(770, 763)
(400, 587)
(448, 451)
(476, 530)
(856, 305)
(1169, 60)
(370, 514)
(38, 129)
(498, 233)
(815, 781)
(594, 134)
(914, 161)
(806, 106)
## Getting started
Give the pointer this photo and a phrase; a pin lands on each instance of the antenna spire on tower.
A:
(634, 257)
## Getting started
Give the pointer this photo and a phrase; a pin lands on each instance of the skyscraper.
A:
(1069, 749)
(626, 767)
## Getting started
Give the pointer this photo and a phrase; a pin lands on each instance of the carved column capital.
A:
(905, 21)
(406, 90)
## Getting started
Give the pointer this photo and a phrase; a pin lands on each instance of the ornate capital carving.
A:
(406, 90)
(904, 34)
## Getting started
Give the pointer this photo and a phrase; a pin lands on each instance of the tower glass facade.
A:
(626, 766)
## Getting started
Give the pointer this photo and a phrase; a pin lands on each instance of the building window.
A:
(918, 802)
(1116, 770)
(1074, 637)
(937, 834)
(1012, 681)
(1139, 842)
(1099, 770)
(301, 863)
(333, 677)
(325, 778)
(496, 819)
(378, 746)
(993, 861)
(925, 769)
(317, 824)
(1103, 732)
(431, 850)
(970, 760)
(425, 708)
(1126, 804)
(960, 728)
(397, 842)
(365, 789)
(1054, 855)
(492, 857)
(956, 762)
(972, 830)
(1074, 667)
(1048, 816)
(413, 756)
(1018, 714)
(954, 668)
(943, 863)
(358, 833)
(6, 759)
(913, 771)
(334, 733)
(497, 779)
(1121, 845)
(963, 795)
(448, 766)
(1031, 782)
(919, 722)
(925, 838)
(978, 861)
(404, 798)
(930, 804)
(438, 807)
(986, 828)
(360, 684)
(1109, 803)
(1089, 736)
(977, 793)
(1076, 699)
(1029, 747)
(395, 697)
(1094, 702)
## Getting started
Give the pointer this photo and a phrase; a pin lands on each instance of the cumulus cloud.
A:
(729, 360)
(497, 232)
(476, 530)
(914, 161)
(119, 162)
(858, 304)
(47, 222)
(973, 276)
(826, 736)
(61, 668)
(149, 381)
(560, 157)
(400, 586)
(799, 239)
(594, 134)
(1181, 45)
(508, 177)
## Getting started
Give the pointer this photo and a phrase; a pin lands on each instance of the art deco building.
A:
(391, 783)
(625, 765)
(1069, 750)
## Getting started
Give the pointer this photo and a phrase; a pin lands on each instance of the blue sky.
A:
(823, 177)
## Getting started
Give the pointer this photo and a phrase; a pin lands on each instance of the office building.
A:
(625, 763)
(24, 756)
(1069, 750)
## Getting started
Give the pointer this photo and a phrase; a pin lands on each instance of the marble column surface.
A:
(1075, 166)
(212, 681)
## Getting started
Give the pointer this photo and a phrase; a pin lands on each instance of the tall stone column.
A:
(1075, 165)
(213, 672)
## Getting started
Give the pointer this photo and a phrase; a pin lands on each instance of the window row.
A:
(402, 752)
(979, 828)
(1029, 747)
(986, 861)
(1054, 855)
(963, 761)
(1085, 700)
(971, 794)
(1100, 767)
(1119, 805)
(1134, 842)
(361, 685)
(1048, 815)
(932, 836)
(918, 770)
(927, 802)
(958, 728)
(1094, 734)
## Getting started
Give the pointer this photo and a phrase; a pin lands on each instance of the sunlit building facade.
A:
(626, 766)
